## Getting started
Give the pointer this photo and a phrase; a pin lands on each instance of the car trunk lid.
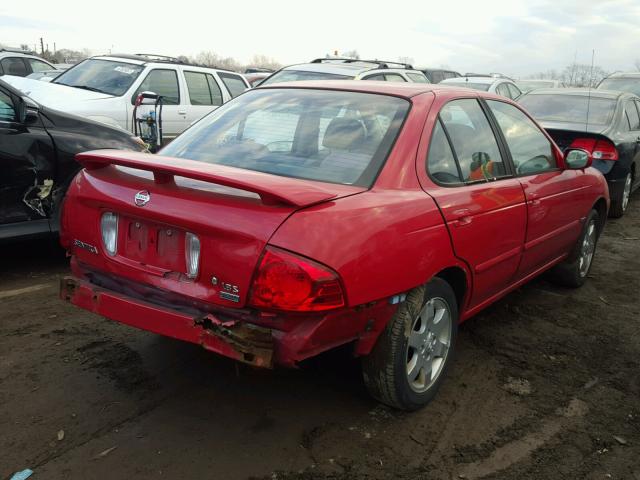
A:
(233, 212)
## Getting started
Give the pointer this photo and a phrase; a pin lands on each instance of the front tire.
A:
(573, 271)
(409, 362)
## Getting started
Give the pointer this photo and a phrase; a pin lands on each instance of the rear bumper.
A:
(243, 342)
(291, 340)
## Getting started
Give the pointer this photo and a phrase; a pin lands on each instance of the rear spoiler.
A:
(272, 189)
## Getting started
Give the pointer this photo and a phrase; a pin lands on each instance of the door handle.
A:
(465, 220)
(182, 112)
(463, 216)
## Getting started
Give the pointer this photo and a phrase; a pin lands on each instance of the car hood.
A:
(53, 95)
(574, 127)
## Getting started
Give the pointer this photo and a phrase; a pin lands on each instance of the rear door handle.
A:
(182, 112)
(463, 216)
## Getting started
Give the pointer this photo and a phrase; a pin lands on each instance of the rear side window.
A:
(203, 89)
(394, 77)
(7, 111)
(234, 83)
(514, 91)
(437, 77)
(38, 66)
(417, 77)
(560, 107)
(163, 82)
(474, 144)
(632, 115)
(503, 90)
(14, 66)
(441, 164)
(377, 76)
(530, 150)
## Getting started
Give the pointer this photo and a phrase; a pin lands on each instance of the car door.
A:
(557, 199)
(165, 82)
(482, 203)
(629, 147)
(204, 94)
(27, 168)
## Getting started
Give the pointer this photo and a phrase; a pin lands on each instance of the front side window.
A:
(203, 89)
(329, 136)
(441, 164)
(14, 66)
(473, 141)
(530, 150)
(162, 82)
(632, 115)
(297, 75)
(621, 84)
(234, 83)
(7, 110)
(550, 107)
(106, 76)
(38, 66)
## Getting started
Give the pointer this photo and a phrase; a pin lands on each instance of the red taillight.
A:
(285, 281)
(600, 149)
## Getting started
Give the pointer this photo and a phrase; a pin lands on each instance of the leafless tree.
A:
(351, 54)
(264, 61)
(408, 60)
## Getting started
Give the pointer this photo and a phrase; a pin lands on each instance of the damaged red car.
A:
(300, 217)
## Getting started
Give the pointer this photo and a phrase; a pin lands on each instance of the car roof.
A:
(612, 94)
(398, 89)
(483, 80)
(150, 59)
(624, 75)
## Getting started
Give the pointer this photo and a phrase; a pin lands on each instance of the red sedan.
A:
(300, 217)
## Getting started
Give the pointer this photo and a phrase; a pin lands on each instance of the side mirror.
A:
(577, 159)
(27, 110)
(146, 98)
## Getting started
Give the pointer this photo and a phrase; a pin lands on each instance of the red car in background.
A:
(304, 216)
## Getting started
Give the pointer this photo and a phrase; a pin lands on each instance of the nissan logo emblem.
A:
(142, 198)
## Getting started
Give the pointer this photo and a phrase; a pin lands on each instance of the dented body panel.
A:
(37, 163)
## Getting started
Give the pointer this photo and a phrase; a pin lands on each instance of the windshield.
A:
(526, 86)
(329, 136)
(569, 108)
(476, 86)
(105, 76)
(297, 75)
(631, 85)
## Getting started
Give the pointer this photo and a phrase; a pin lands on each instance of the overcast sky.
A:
(515, 37)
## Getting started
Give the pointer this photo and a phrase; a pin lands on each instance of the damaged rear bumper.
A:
(234, 339)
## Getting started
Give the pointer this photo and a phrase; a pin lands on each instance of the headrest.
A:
(343, 134)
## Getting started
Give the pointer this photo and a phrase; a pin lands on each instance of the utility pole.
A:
(41, 46)
(54, 48)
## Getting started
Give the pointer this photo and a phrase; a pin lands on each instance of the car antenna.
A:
(586, 125)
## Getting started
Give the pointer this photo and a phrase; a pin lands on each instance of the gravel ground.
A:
(545, 385)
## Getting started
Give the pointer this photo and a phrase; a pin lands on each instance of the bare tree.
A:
(351, 54)
(582, 75)
(408, 60)
(212, 59)
(263, 61)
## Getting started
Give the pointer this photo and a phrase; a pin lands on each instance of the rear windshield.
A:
(476, 86)
(297, 75)
(105, 76)
(631, 85)
(329, 136)
(569, 108)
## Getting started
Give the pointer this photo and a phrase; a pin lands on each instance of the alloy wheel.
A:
(428, 344)
(587, 249)
(626, 193)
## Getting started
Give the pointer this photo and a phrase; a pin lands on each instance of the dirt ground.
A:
(545, 385)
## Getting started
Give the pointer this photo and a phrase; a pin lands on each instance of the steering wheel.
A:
(535, 164)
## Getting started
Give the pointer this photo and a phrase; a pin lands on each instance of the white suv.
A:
(348, 69)
(104, 89)
(21, 63)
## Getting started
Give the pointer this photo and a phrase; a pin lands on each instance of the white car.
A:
(104, 88)
(348, 69)
(21, 63)
(494, 84)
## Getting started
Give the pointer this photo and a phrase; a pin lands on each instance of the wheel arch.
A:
(601, 207)
(456, 277)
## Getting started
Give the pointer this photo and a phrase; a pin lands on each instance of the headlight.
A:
(109, 227)
(192, 254)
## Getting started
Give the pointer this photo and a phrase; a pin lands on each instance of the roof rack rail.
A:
(379, 63)
(152, 57)
(17, 50)
(490, 75)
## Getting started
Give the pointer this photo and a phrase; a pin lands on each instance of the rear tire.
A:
(574, 270)
(409, 362)
(620, 202)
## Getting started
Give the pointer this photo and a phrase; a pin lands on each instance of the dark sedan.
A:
(605, 123)
(37, 150)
